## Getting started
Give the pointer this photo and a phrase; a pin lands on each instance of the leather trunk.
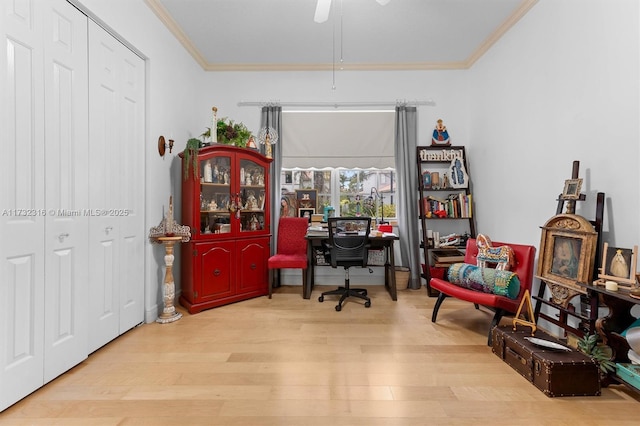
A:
(554, 372)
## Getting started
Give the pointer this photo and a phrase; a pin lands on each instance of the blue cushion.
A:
(486, 280)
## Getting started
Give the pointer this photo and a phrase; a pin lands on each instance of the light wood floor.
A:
(290, 361)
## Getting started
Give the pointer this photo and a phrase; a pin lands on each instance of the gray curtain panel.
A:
(406, 142)
(272, 116)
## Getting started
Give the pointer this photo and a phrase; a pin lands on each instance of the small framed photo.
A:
(572, 189)
(306, 213)
(619, 264)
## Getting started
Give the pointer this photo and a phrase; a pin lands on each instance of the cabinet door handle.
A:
(253, 266)
(62, 236)
(216, 272)
(108, 229)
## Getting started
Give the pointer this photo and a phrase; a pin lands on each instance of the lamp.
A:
(371, 202)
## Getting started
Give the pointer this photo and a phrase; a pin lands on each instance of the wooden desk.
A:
(385, 243)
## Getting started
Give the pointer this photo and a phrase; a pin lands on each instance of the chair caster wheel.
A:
(367, 304)
(338, 308)
(321, 299)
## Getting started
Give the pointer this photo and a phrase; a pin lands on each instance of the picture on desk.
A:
(306, 213)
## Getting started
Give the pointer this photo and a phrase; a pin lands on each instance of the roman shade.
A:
(350, 139)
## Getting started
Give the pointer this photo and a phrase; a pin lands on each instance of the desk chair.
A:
(291, 250)
(348, 246)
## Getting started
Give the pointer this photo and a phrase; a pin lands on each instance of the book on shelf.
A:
(447, 256)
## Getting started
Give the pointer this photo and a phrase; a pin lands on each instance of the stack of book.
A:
(446, 257)
(318, 230)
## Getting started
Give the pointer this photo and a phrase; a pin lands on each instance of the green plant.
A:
(589, 345)
(230, 133)
(191, 157)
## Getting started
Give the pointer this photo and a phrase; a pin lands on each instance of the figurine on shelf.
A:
(252, 202)
(208, 172)
(254, 225)
(247, 180)
(215, 175)
(440, 135)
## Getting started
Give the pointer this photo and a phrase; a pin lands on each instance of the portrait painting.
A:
(619, 264)
(567, 256)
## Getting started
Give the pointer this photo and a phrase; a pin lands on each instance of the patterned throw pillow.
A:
(487, 280)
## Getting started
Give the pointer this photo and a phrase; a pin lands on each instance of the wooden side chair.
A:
(291, 250)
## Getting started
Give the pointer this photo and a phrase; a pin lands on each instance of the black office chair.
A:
(348, 246)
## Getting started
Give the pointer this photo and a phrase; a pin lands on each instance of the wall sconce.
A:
(162, 146)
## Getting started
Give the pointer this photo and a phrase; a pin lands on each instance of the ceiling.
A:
(235, 35)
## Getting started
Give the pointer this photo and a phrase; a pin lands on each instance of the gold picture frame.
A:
(619, 264)
(572, 188)
(567, 256)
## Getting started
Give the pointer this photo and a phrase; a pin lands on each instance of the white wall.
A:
(173, 89)
(561, 85)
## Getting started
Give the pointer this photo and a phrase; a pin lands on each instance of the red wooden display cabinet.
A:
(227, 207)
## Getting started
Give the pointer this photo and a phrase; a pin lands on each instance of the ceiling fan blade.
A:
(322, 11)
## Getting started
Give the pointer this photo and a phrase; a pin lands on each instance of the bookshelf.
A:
(446, 207)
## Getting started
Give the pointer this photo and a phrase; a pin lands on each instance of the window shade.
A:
(351, 139)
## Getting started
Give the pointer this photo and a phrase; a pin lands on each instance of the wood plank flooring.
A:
(290, 361)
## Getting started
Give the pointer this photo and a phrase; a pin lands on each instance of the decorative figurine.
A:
(440, 135)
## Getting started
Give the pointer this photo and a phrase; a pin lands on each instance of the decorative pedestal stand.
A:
(168, 233)
(169, 313)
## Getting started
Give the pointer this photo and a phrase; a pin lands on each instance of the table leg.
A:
(169, 313)
(390, 273)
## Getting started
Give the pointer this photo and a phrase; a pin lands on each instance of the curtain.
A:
(406, 142)
(271, 116)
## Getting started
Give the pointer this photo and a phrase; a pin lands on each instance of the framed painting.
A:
(306, 199)
(572, 189)
(567, 255)
(619, 264)
(288, 205)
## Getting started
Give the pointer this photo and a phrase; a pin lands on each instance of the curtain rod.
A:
(337, 104)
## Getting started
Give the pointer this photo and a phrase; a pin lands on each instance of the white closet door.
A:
(43, 126)
(66, 192)
(116, 176)
(22, 194)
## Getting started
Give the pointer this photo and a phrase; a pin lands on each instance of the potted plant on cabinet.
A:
(191, 157)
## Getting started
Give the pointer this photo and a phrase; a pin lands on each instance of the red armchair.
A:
(291, 250)
(501, 305)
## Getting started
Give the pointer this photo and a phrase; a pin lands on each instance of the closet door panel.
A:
(117, 181)
(66, 188)
(104, 172)
(22, 193)
(133, 235)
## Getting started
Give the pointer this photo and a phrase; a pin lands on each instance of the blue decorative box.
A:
(630, 373)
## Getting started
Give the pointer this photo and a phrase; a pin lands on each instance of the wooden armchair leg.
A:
(441, 298)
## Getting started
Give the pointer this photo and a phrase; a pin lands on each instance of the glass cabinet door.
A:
(252, 196)
(216, 200)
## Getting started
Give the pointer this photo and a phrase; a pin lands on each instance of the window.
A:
(351, 192)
